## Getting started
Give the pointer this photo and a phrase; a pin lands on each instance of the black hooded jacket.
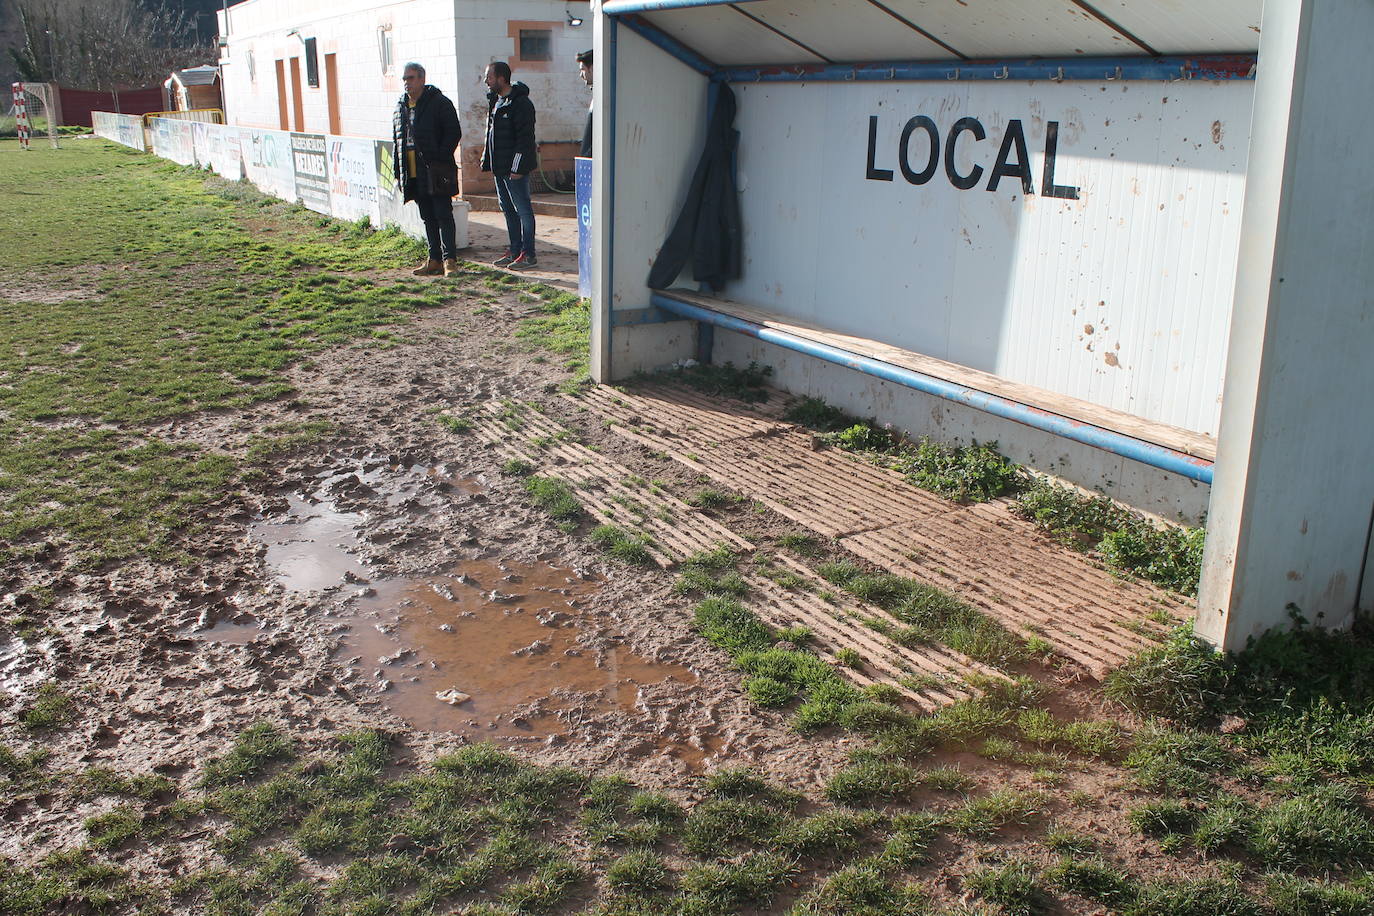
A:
(707, 231)
(510, 133)
(437, 133)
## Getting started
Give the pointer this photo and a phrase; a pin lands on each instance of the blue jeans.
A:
(514, 195)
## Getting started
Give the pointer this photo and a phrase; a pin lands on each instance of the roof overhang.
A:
(821, 33)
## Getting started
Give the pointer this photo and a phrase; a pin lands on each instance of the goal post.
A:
(35, 112)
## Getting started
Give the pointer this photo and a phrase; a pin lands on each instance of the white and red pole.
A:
(21, 116)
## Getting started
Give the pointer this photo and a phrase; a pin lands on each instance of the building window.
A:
(312, 64)
(536, 44)
(384, 49)
(252, 65)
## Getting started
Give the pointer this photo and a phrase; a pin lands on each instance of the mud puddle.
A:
(23, 667)
(237, 631)
(497, 648)
(314, 544)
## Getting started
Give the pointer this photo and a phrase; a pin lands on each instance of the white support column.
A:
(603, 187)
(1294, 492)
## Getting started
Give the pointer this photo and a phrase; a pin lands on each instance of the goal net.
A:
(34, 112)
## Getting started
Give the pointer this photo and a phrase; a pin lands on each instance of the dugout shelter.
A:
(1128, 240)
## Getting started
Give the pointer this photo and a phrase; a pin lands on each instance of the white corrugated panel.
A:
(847, 30)
(1121, 297)
(726, 38)
(1187, 26)
(1014, 28)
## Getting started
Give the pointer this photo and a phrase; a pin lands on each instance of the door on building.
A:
(282, 122)
(297, 101)
(331, 89)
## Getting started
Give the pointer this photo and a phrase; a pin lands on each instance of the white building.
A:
(334, 66)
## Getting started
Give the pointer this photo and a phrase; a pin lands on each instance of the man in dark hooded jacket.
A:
(510, 156)
(425, 131)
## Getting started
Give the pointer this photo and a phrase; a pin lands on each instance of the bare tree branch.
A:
(107, 45)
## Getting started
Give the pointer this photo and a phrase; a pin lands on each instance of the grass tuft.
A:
(1185, 680)
(553, 496)
(628, 547)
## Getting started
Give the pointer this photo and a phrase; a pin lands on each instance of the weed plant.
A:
(1184, 679)
(974, 473)
(1166, 555)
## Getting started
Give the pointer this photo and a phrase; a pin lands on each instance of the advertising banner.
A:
(224, 152)
(200, 142)
(391, 196)
(311, 171)
(267, 161)
(583, 171)
(123, 129)
(353, 179)
(174, 140)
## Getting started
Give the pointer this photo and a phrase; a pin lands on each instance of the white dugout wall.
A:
(1067, 238)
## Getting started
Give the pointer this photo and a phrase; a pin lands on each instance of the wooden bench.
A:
(1159, 445)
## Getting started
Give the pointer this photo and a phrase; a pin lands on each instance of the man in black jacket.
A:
(425, 133)
(510, 156)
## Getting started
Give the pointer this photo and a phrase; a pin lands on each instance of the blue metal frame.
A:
(1148, 453)
(1216, 67)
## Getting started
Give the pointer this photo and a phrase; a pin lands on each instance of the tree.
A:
(106, 45)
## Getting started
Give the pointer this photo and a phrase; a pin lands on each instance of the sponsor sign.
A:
(310, 166)
(391, 195)
(267, 161)
(353, 179)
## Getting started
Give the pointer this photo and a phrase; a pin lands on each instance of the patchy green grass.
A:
(626, 546)
(1184, 679)
(711, 573)
(748, 384)
(179, 295)
(972, 473)
(555, 497)
(50, 708)
(1013, 886)
(931, 615)
(168, 302)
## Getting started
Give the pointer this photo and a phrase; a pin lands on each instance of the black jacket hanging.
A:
(707, 231)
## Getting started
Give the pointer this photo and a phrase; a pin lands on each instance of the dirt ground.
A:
(393, 575)
(265, 624)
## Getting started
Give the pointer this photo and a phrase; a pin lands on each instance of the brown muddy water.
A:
(494, 647)
(490, 648)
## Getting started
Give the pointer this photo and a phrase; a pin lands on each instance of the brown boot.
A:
(450, 266)
(430, 268)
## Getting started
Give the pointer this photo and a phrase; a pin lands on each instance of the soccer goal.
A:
(35, 112)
